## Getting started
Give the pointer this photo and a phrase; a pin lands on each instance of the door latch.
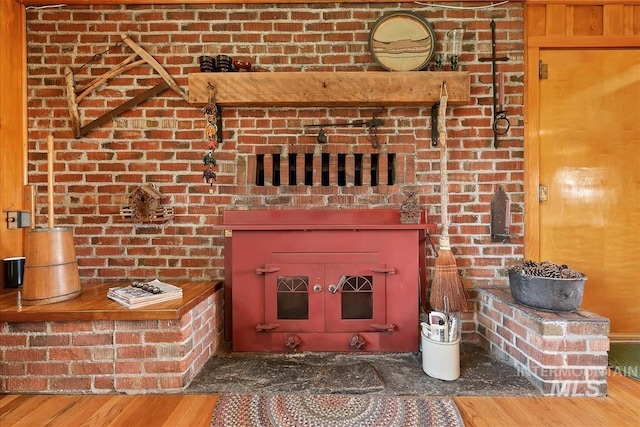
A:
(267, 327)
(267, 270)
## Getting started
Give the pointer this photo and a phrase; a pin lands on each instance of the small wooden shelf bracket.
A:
(76, 95)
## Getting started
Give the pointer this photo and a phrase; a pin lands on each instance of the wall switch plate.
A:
(18, 219)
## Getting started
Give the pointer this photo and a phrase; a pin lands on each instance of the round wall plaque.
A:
(402, 41)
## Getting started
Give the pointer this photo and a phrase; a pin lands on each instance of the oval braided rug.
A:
(333, 410)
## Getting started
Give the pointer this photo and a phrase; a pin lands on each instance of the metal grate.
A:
(319, 169)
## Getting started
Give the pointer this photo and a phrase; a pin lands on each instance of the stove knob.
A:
(317, 288)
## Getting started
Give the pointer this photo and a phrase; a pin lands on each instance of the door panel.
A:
(358, 301)
(590, 162)
(294, 297)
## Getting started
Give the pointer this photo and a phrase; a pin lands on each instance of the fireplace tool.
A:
(501, 123)
(51, 269)
(372, 126)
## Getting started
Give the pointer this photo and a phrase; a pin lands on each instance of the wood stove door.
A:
(356, 297)
(294, 297)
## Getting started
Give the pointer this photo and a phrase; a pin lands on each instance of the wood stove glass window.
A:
(357, 297)
(293, 297)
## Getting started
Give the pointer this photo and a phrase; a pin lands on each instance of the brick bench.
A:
(563, 354)
(93, 345)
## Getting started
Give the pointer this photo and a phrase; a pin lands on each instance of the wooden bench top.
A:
(93, 304)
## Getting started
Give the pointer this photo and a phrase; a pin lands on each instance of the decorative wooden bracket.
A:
(75, 95)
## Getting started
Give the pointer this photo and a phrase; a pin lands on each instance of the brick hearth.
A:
(110, 349)
(564, 354)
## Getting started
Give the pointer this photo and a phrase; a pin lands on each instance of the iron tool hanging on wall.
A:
(372, 125)
(501, 123)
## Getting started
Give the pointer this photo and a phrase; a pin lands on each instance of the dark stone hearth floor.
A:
(346, 373)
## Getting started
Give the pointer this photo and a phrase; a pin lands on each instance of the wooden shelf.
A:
(93, 304)
(327, 89)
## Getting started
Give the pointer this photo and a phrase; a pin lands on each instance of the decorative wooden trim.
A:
(339, 88)
(581, 2)
(532, 157)
(599, 41)
(139, 2)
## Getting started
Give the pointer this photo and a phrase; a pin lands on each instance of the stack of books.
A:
(140, 294)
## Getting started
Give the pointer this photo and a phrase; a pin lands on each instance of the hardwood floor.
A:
(620, 408)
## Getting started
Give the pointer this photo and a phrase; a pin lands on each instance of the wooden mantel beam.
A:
(331, 88)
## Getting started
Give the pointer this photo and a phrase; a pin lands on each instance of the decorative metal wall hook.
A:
(501, 123)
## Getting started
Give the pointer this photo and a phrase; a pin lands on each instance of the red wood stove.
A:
(323, 280)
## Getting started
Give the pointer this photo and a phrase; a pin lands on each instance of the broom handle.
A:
(50, 178)
(444, 158)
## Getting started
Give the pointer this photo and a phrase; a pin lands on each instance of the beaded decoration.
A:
(211, 114)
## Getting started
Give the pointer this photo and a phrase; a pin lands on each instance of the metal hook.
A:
(322, 137)
(211, 107)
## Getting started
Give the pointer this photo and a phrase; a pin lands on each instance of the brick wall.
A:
(137, 356)
(162, 141)
(564, 354)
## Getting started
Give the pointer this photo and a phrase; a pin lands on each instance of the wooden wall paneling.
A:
(12, 121)
(636, 19)
(535, 18)
(556, 20)
(613, 20)
(587, 20)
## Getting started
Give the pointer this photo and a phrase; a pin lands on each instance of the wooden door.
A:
(589, 151)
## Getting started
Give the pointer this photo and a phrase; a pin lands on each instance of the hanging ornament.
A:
(212, 116)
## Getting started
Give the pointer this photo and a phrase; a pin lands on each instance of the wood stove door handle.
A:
(383, 328)
(267, 270)
(383, 270)
(267, 327)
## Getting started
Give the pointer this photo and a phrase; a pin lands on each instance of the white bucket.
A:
(440, 360)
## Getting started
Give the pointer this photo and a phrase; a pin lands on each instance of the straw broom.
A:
(446, 284)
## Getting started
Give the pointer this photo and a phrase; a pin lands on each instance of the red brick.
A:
(70, 354)
(136, 383)
(91, 368)
(103, 383)
(136, 352)
(164, 337)
(136, 325)
(27, 327)
(588, 328)
(62, 326)
(172, 382)
(12, 340)
(70, 383)
(92, 339)
(48, 368)
(49, 340)
(12, 369)
(128, 338)
(129, 367)
(598, 344)
(21, 355)
(27, 384)
(587, 359)
(163, 366)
